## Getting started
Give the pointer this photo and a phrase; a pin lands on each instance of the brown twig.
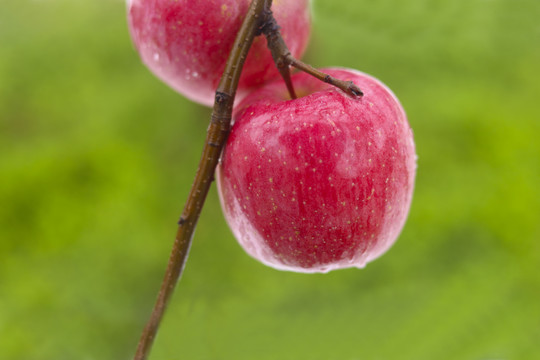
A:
(278, 48)
(283, 59)
(215, 140)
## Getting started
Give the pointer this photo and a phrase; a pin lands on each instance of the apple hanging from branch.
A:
(186, 43)
(322, 182)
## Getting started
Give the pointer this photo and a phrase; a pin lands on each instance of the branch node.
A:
(222, 98)
(268, 24)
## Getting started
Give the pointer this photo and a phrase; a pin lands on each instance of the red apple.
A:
(186, 42)
(322, 182)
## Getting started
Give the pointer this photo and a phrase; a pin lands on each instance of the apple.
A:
(321, 182)
(186, 43)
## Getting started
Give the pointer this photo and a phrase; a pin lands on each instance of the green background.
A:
(97, 156)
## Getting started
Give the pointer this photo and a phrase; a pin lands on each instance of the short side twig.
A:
(215, 140)
(348, 86)
(283, 59)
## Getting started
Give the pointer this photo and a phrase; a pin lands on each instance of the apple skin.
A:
(322, 182)
(186, 43)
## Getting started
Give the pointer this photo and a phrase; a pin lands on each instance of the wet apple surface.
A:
(321, 182)
(186, 43)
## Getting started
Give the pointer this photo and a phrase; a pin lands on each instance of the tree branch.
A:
(283, 59)
(216, 137)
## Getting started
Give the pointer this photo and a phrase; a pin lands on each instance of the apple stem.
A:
(285, 72)
(278, 48)
(284, 59)
(216, 137)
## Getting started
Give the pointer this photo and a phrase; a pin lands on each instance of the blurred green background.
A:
(97, 156)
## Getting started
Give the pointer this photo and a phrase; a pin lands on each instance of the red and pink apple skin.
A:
(186, 43)
(322, 182)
